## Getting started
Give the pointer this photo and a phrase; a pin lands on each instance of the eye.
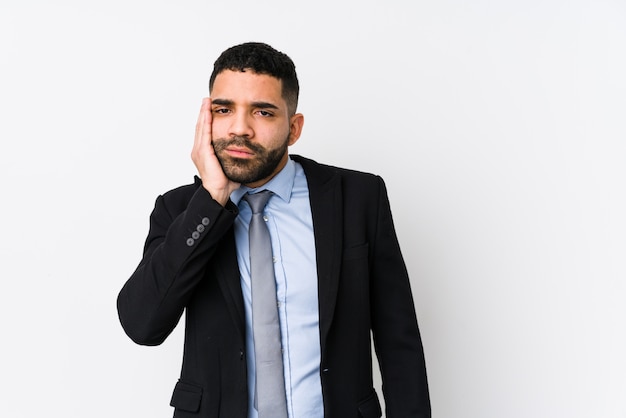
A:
(221, 110)
(265, 113)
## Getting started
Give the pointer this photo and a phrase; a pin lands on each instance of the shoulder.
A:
(183, 190)
(325, 173)
(312, 166)
(180, 196)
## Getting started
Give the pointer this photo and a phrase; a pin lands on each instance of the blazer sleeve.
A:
(184, 234)
(395, 330)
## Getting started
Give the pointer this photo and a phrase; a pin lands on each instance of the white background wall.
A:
(499, 128)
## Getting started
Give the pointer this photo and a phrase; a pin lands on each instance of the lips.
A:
(239, 152)
(237, 147)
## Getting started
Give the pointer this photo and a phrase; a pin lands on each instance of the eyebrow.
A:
(260, 105)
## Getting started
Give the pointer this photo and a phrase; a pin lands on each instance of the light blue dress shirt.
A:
(288, 217)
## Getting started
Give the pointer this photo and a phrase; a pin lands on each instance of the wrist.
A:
(221, 196)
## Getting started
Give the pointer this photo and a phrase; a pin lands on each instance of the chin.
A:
(242, 171)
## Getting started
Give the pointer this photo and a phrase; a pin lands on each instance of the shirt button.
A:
(265, 218)
(190, 242)
(274, 259)
(205, 221)
(195, 235)
(200, 228)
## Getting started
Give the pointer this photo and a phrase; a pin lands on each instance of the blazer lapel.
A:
(327, 210)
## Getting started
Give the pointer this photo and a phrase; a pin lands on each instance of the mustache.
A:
(238, 141)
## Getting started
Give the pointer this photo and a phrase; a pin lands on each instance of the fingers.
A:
(207, 129)
(199, 124)
(203, 136)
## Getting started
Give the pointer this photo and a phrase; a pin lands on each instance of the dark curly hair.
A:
(261, 58)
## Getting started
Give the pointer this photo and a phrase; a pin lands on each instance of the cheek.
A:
(219, 129)
(277, 135)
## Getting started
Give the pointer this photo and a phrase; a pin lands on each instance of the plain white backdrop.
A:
(499, 127)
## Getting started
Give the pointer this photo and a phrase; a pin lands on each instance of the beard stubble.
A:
(246, 171)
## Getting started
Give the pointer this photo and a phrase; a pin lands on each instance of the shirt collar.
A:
(281, 184)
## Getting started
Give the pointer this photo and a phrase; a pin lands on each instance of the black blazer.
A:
(363, 290)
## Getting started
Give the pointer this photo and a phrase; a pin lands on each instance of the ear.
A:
(296, 122)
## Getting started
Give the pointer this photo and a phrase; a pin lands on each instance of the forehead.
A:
(247, 86)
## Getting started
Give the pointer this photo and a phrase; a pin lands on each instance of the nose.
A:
(240, 125)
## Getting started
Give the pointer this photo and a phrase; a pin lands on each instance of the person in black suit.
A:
(340, 275)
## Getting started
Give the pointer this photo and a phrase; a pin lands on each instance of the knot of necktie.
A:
(257, 201)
